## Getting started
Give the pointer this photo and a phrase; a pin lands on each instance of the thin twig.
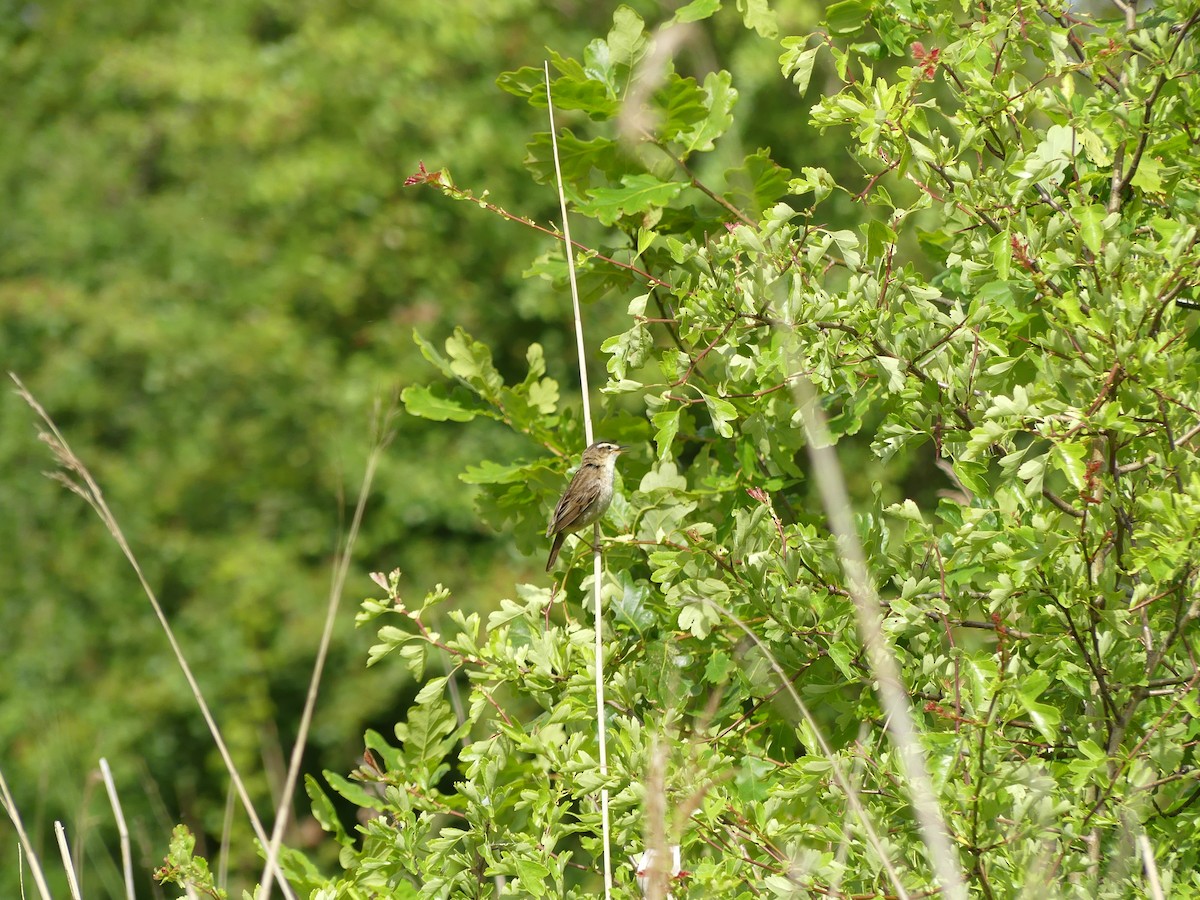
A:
(424, 176)
(700, 186)
(1061, 504)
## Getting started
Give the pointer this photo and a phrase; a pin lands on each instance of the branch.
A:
(423, 176)
(1120, 183)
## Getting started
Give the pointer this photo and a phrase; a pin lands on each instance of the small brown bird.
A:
(587, 497)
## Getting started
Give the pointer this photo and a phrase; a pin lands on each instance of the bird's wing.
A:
(574, 502)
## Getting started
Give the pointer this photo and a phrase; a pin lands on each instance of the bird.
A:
(587, 496)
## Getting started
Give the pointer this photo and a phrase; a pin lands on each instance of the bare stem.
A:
(122, 829)
(383, 436)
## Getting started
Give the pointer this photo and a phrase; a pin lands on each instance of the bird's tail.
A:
(554, 548)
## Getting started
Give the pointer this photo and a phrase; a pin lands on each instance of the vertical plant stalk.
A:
(35, 867)
(60, 835)
(1153, 883)
(597, 573)
(383, 437)
(122, 829)
(89, 490)
(226, 836)
(655, 860)
(827, 473)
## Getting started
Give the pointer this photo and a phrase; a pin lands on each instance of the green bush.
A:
(1005, 320)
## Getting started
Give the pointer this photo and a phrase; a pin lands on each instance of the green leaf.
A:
(488, 472)
(699, 618)
(1148, 176)
(1071, 460)
(722, 413)
(972, 475)
(797, 63)
(843, 657)
(576, 92)
(757, 184)
(663, 476)
(757, 14)
(814, 179)
(352, 791)
(627, 37)
(718, 667)
(720, 98)
(1048, 161)
(532, 876)
(186, 870)
(752, 780)
(1044, 717)
(431, 354)
(848, 244)
(526, 82)
(631, 605)
(638, 194)
(683, 103)
(629, 350)
(433, 404)
(1033, 472)
(879, 238)
(1092, 750)
(908, 510)
(894, 371)
(666, 425)
(847, 16)
(324, 812)
(1001, 247)
(471, 361)
(390, 637)
(697, 10)
(578, 158)
(543, 395)
(392, 758)
(994, 293)
(1091, 226)
(431, 690)
(425, 737)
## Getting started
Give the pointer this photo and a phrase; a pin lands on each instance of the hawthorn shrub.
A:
(995, 315)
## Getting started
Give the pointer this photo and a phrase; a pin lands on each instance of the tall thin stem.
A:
(587, 430)
(383, 437)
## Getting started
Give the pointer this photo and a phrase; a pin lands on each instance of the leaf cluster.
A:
(1011, 307)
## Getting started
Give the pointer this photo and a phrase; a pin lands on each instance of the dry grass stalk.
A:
(76, 477)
